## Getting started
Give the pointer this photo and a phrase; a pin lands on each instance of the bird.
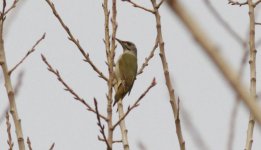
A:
(125, 70)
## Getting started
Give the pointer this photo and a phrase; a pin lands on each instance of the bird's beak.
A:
(120, 41)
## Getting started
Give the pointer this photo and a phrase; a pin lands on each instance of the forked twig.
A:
(147, 59)
(27, 54)
(75, 41)
(68, 88)
(12, 7)
(102, 131)
(141, 7)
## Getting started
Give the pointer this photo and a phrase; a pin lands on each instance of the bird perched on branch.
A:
(126, 70)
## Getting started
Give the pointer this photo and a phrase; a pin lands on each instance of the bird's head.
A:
(128, 46)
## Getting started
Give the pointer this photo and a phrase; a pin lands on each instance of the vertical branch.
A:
(252, 63)
(109, 55)
(124, 130)
(172, 97)
(9, 88)
(123, 127)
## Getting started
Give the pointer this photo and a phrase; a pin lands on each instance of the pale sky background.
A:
(49, 114)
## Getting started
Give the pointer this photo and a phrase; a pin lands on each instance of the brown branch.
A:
(257, 23)
(29, 144)
(75, 41)
(141, 7)
(252, 63)
(123, 128)
(147, 59)
(69, 89)
(237, 3)
(9, 87)
(27, 54)
(226, 26)
(256, 3)
(159, 4)
(136, 104)
(52, 146)
(206, 44)
(114, 141)
(164, 61)
(102, 131)
(8, 124)
(12, 7)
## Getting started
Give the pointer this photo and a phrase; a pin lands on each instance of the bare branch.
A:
(29, 144)
(257, 23)
(27, 54)
(136, 104)
(8, 124)
(256, 3)
(252, 63)
(115, 141)
(75, 41)
(147, 59)
(52, 146)
(12, 7)
(139, 6)
(160, 3)
(170, 88)
(9, 86)
(69, 89)
(102, 131)
(237, 3)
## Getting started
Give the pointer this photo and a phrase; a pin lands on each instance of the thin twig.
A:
(52, 146)
(29, 144)
(256, 3)
(8, 124)
(27, 54)
(69, 89)
(75, 41)
(114, 141)
(136, 104)
(12, 7)
(102, 131)
(147, 59)
(257, 23)
(139, 6)
(237, 3)
(213, 52)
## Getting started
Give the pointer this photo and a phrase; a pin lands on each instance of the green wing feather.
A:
(127, 73)
(128, 68)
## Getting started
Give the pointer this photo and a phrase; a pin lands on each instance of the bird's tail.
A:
(116, 98)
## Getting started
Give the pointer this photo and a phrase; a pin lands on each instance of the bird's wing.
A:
(128, 69)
